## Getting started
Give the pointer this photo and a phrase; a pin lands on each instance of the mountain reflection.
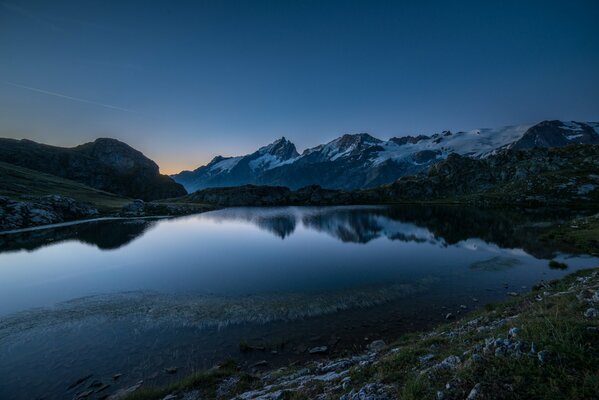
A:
(443, 225)
(106, 235)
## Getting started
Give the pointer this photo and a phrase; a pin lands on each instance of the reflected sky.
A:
(245, 251)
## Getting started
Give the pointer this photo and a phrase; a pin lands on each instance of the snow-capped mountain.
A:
(361, 161)
(233, 171)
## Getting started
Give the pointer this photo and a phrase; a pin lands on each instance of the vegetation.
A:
(18, 183)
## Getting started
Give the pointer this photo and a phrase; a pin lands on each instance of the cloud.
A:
(64, 96)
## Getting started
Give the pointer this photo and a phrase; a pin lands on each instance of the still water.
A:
(138, 296)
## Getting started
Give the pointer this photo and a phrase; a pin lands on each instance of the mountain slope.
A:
(362, 161)
(563, 175)
(20, 183)
(105, 164)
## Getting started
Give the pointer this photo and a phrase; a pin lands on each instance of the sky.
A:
(186, 81)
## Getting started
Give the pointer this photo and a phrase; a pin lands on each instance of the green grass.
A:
(18, 182)
(555, 324)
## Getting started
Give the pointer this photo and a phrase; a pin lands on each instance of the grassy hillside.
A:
(18, 182)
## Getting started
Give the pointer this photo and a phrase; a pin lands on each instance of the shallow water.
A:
(138, 296)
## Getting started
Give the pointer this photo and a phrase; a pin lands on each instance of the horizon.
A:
(184, 83)
(299, 150)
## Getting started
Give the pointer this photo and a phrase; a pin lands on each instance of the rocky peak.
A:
(282, 148)
(408, 139)
(556, 134)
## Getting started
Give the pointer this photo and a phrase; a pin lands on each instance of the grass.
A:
(18, 183)
(555, 324)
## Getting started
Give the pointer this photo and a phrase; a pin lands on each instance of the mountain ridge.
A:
(357, 161)
(106, 164)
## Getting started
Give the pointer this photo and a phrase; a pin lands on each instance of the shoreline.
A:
(509, 348)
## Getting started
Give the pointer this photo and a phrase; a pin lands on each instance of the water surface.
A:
(138, 296)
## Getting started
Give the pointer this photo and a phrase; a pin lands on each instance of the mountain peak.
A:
(281, 148)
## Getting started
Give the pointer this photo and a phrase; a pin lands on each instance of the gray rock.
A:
(124, 393)
(475, 393)
(426, 358)
(318, 350)
(377, 345)
(513, 332)
(591, 313)
(448, 316)
(450, 362)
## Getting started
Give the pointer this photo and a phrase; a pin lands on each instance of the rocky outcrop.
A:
(41, 211)
(105, 164)
(537, 176)
(140, 208)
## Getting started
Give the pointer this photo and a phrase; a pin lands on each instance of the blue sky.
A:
(185, 81)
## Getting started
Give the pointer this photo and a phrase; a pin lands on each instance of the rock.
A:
(513, 294)
(171, 370)
(449, 316)
(169, 397)
(318, 350)
(124, 393)
(513, 332)
(475, 393)
(377, 345)
(95, 384)
(440, 395)
(371, 391)
(116, 376)
(591, 313)
(79, 381)
(426, 358)
(450, 362)
(134, 209)
(463, 306)
(261, 363)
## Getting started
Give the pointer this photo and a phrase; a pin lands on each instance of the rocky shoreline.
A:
(539, 345)
(55, 209)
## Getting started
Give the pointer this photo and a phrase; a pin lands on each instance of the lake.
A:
(140, 296)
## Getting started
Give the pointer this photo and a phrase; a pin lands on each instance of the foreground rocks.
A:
(44, 210)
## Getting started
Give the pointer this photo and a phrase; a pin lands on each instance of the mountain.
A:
(538, 176)
(105, 164)
(356, 161)
(235, 171)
